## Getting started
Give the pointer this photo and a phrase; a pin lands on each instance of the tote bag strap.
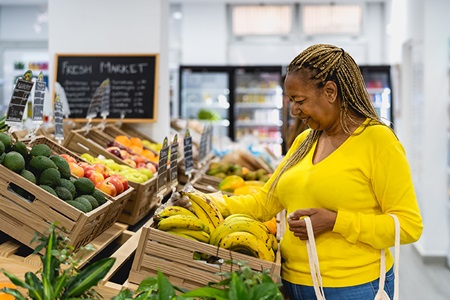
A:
(314, 261)
(381, 293)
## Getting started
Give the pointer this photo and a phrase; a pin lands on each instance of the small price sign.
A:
(59, 119)
(188, 159)
(19, 98)
(174, 162)
(203, 145)
(162, 169)
(39, 96)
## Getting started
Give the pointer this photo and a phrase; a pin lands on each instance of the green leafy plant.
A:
(242, 284)
(60, 277)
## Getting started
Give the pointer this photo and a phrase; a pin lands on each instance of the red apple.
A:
(89, 170)
(102, 169)
(123, 180)
(130, 162)
(107, 188)
(117, 183)
(114, 151)
(152, 167)
(141, 165)
(76, 169)
(68, 158)
(95, 177)
(124, 154)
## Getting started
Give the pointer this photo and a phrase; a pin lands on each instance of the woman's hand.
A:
(322, 221)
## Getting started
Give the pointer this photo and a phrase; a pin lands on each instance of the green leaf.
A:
(149, 283)
(49, 262)
(207, 291)
(49, 293)
(60, 283)
(237, 288)
(15, 293)
(89, 277)
(124, 295)
(165, 288)
(14, 279)
(36, 292)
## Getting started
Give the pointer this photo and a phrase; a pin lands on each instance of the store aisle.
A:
(420, 281)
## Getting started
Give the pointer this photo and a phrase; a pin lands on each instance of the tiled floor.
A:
(420, 281)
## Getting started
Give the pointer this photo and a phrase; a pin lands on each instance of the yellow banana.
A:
(198, 235)
(202, 215)
(173, 210)
(242, 224)
(182, 222)
(207, 205)
(231, 217)
(174, 232)
(274, 242)
(237, 241)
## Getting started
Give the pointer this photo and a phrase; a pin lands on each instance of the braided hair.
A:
(321, 63)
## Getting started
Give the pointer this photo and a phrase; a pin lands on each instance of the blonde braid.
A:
(327, 62)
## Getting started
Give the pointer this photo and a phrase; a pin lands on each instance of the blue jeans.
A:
(366, 291)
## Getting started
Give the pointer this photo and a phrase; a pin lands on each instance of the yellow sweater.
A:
(363, 180)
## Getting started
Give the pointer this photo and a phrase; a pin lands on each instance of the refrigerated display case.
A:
(379, 86)
(240, 102)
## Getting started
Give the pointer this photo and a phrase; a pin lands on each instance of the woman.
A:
(347, 172)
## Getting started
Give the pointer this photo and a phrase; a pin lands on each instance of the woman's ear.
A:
(330, 89)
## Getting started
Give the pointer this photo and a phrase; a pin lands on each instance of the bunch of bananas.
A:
(205, 223)
(3, 126)
(242, 233)
(197, 224)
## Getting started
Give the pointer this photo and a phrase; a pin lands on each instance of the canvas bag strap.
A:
(396, 264)
(314, 261)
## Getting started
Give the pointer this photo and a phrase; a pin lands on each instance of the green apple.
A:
(87, 157)
(134, 177)
(146, 172)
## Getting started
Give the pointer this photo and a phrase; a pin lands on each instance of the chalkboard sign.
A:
(133, 84)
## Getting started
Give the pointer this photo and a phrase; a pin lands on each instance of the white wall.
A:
(424, 119)
(115, 27)
(19, 23)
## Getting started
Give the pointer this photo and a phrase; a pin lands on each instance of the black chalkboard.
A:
(133, 79)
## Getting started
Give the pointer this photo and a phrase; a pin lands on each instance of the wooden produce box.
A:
(174, 256)
(118, 202)
(142, 199)
(21, 218)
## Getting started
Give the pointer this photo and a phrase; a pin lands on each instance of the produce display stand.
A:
(142, 200)
(118, 203)
(174, 256)
(16, 260)
(20, 218)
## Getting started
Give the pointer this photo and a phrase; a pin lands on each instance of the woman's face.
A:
(316, 107)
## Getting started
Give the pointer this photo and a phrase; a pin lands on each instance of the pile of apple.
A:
(110, 184)
(137, 175)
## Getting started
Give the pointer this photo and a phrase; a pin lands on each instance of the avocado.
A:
(84, 186)
(63, 193)
(101, 199)
(6, 140)
(40, 150)
(21, 148)
(28, 176)
(91, 200)
(2, 148)
(2, 157)
(50, 177)
(69, 185)
(85, 202)
(14, 161)
(40, 163)
(78, 205)
(49, 189)
(62, 165)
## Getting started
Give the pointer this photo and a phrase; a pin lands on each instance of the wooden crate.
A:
(21, 218)
(118, 202)
(174, 256)
(142, 200)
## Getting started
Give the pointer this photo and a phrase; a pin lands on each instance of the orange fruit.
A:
(136, 142)
(136, 149)
(4, 296)
(124, 140)
(272, 225)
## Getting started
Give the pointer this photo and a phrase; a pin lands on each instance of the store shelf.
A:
(221, 123)
(252, 105)
(375, 91)
(206, 105)
(265, 91)
(254, 123)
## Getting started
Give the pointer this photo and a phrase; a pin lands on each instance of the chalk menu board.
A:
(133, 84)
